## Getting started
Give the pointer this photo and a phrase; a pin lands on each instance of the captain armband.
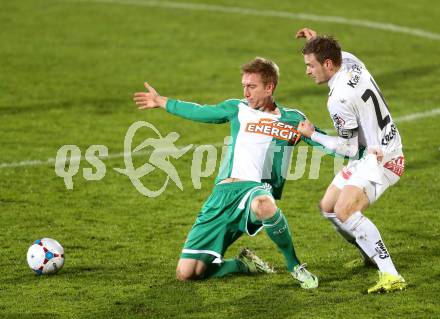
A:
(347, 133)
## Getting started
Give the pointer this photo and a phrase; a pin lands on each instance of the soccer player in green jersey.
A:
(250, 177)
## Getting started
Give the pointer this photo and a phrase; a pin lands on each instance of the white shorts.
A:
(370, 176)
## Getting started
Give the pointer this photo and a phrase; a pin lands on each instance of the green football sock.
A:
(228, 266)
(278, 230)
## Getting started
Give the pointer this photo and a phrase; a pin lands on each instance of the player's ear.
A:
(270, 87)
(328, 63)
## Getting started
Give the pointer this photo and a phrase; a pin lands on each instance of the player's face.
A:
(254, 90)
(317, 71)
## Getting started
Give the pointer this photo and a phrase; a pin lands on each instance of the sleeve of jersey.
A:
(342, 115)
(309, 141)
(332, 148)
(341, 146)
(219, 113)
(334, 145)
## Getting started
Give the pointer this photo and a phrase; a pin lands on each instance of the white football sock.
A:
(368, 238)
(348, 236)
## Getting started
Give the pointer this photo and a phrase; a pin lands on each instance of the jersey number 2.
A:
(369, 93)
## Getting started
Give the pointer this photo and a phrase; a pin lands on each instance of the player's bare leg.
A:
(350, 200)
(190, 269)
(329, 199)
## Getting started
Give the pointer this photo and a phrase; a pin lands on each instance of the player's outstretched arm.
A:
(150, 99)
(219, 113)
(306, 33)
(347, 147)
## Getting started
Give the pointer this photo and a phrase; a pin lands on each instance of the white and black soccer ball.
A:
(45, 256)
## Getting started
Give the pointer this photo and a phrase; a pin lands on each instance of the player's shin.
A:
(348, 236)
(278, 230)
(369, 240)
(227, 267)
(337, 224)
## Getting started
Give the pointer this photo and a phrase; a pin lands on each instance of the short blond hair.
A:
(267, 69)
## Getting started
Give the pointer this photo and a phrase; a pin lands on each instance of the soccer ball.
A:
(45, 256)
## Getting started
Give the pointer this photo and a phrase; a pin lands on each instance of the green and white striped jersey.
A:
(261, 143)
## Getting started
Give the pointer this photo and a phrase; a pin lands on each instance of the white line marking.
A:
(416, 116)
(405, 118)
(110, 156)
(272, 13)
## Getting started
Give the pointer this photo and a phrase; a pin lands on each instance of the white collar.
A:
(332, 80)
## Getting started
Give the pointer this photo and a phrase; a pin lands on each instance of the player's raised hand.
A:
(306, 128)
(306, 33)
(150, 99)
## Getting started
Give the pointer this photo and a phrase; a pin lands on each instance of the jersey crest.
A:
(338, 121)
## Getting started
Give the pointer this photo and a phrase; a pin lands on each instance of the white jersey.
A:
(355, 102)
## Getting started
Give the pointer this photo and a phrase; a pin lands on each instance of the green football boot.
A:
(306, 279)
(254, 263)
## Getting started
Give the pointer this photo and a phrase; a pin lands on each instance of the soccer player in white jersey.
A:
(250, 177)
(361, 118)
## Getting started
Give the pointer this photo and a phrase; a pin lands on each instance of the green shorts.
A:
(224, 217)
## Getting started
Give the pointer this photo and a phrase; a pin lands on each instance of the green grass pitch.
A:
(68, 71)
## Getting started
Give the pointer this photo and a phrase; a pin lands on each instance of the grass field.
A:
(68, 70)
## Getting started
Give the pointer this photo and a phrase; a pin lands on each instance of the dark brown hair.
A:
(324, 47)
(267, 69)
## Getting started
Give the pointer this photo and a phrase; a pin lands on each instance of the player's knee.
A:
(344, 209)
(325, 206)
(263, 206)
(186, 272)
(181, 276)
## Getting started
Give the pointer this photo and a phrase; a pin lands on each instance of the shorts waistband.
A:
(235, 185)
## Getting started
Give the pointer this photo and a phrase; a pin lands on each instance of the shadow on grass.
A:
(231, 297)
(67, 273)
(172, 299)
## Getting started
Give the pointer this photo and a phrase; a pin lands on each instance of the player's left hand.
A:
(306, 128)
